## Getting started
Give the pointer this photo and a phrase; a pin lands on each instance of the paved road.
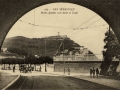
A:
(55, 83)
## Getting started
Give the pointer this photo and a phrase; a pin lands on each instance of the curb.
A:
(12, 82)
(99, 83)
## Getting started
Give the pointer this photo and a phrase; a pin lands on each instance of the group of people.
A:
(94, 72)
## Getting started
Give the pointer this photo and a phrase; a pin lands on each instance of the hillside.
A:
(36, 46)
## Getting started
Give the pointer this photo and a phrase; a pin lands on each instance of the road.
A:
(55, 83)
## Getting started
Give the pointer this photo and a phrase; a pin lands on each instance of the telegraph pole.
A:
(45, 56)
(45, 47)
(63, 57)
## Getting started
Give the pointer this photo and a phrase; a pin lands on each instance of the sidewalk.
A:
(101, 80)
(6, 79)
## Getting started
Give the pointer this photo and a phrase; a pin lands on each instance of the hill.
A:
(36, 46)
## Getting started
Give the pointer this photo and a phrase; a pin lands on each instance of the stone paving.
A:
(101, 80)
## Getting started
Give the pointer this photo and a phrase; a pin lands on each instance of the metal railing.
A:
(88, 57)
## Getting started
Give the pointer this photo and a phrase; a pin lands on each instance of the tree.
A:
(40, 61)
(46, 60)
(3, 62)
(112, 49)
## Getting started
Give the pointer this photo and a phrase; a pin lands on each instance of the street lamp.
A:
(63, 58)
(63, 54)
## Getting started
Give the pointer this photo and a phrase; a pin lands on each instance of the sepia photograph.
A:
(59, 45)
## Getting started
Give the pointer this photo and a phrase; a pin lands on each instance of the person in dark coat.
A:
(97, 72)
(93, 71)
(90, 72)
(14, 68)
(68, 71)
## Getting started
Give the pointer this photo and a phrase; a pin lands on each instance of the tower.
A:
(58, 33)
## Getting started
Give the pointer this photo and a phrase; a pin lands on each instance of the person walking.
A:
(90, 72)
(30, 69)
(14, 68)
(93, 71)
(97, 72)
(68, 71)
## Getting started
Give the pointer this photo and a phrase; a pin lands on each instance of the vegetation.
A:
(36, 46)
(112, 50)
(29, 60)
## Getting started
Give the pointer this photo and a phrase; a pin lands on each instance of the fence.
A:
(86, 57)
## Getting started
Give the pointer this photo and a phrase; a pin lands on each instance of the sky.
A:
(80, 24)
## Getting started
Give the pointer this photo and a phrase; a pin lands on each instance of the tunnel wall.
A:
(12, 10)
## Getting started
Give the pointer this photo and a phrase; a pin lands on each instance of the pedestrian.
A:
(14, 68)
(68, 71)
(30, 69)
(93, 71)
(40, 68)
(97, 72)
(90, 72)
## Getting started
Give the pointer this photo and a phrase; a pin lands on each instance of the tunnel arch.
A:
(11, 11)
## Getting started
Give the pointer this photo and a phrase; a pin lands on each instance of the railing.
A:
(89, 57)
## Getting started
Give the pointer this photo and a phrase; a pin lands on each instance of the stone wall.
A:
(77, 67)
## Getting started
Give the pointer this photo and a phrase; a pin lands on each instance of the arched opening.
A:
(75, 23)
(14, 15)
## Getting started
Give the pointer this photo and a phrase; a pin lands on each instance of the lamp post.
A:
(45, 56)
(63, 58)
(63, 54)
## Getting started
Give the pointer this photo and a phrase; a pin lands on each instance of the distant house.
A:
(37, 56)
(4, 49)
(4, 55)
(77, 53)
(85, 51)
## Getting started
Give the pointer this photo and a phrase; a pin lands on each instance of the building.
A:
(4, 49)
(78, 60)
(78, 53)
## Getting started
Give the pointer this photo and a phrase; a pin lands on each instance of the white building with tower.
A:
(75, 54)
